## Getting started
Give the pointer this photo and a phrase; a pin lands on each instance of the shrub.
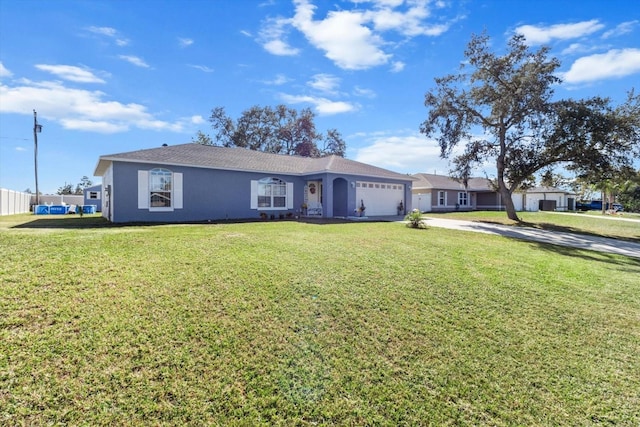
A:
(415, 220)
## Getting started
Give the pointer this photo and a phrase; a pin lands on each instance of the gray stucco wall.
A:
(210, 194)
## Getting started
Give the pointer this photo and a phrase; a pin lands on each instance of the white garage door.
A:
(380, 198)
(421, 201)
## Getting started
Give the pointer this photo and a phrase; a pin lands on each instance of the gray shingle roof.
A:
(442, 182)
(240, 159)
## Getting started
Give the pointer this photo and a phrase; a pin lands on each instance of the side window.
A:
(442, 198)
(160, 187)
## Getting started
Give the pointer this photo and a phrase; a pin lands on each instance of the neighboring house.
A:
(545, 199)
(93, 196)
(194, 182)
(440, 193)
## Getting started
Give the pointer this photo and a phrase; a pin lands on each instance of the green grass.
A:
(591, 223)
(286, 323)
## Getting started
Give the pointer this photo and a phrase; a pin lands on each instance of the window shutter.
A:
(143, 189)
(254, 194)
(97, 195)
(289, 195)
(177, 190)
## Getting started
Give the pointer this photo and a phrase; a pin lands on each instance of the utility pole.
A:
(36, 129)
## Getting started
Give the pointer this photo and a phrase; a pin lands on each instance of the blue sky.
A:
(113, 76)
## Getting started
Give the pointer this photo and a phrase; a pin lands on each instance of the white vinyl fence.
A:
(14, 202)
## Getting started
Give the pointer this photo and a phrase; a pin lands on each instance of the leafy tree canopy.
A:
(280, 130)
(79, 188)
(501, 107)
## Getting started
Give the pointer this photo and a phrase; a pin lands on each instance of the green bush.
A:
(415, 220)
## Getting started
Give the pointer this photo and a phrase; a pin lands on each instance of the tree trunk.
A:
(505, 194)
(508, 203)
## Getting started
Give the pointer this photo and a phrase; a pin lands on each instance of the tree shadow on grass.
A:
(66, 222)
(564, 229)
(629, 264)
(72, 222)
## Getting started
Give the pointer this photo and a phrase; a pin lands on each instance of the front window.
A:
(463, 199)
(442, 199)
(93, 195)
(160, 188)
(272, 193)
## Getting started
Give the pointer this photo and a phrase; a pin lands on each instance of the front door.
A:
(314, 192)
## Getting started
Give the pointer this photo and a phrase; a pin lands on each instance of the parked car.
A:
(596, 205)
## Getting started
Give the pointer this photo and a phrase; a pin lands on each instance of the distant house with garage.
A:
(544, 199)
(441, 193)
(194, 182)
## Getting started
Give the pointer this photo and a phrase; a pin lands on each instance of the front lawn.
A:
(286, 323)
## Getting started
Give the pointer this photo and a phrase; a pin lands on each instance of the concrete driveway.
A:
(581, 241)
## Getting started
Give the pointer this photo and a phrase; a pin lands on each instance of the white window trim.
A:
(254, 197)
(460, 198)
(144, 193)
(445, 198)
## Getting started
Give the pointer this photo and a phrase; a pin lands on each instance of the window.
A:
(273, 193)
(442, 198)
(160, 188)
(93, 195)
(463, 199)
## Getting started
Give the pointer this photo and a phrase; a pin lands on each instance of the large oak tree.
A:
(280, 130)
(507, 101)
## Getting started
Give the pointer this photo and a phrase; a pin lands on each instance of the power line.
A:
(9, 137)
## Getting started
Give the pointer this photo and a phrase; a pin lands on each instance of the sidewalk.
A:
(581, 241)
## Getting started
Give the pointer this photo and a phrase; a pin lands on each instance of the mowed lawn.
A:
(287, 323)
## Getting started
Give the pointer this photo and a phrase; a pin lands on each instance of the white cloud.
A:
(404, 154)
(184, 42)
(79, 109)
(366, 93)
(279, 80)
(621, 29)
(273, 38)
(138, 62)
(109, 32)
(71, 73)
(409, 22)
(322, 106)
(280, 48)
(397, 66)
(614, 63)
(202, 68)
(197, 120)
(408, 152)
(324, 83)
(4, 72)
(541, 35)
(105, 31)
(343, 36)
(353, 39)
